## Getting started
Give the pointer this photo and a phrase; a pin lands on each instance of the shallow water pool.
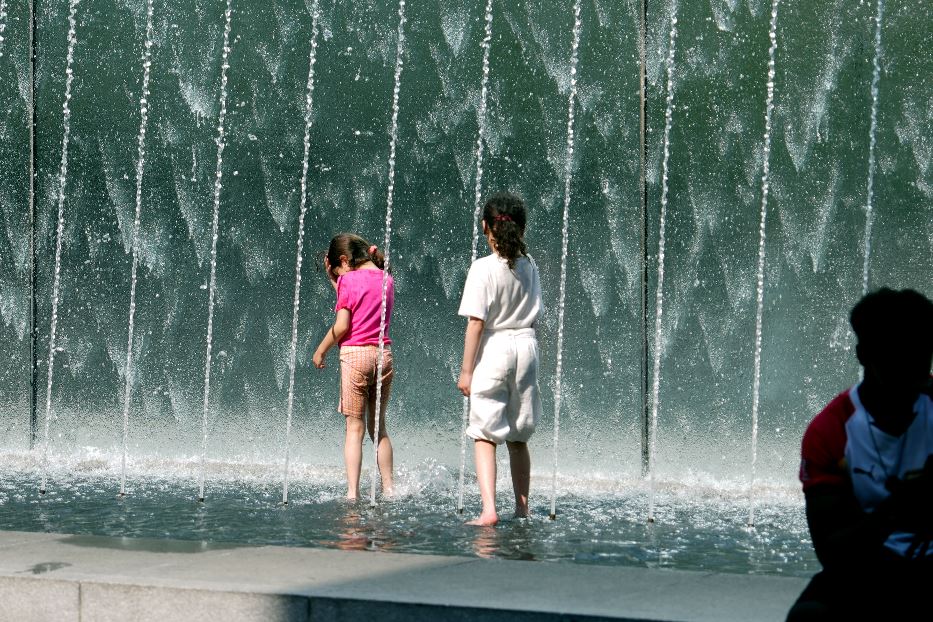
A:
(600, 522)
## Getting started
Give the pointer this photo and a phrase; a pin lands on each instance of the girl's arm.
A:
(333, 336)
(474, 332)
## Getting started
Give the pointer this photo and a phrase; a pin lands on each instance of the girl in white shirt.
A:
(502, 299)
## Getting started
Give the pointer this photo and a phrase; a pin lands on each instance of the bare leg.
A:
(385, 465)
(520, 465)
(353, 456)
(485, 453)
(385, 449)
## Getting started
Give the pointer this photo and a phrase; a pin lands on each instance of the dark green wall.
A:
(815, 226)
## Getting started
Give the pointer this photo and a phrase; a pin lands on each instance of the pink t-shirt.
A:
(360, 291)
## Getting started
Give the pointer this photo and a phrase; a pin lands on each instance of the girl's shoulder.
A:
(368, 279)
(363, 273)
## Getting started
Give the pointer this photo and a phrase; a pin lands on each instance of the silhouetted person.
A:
(867, 471)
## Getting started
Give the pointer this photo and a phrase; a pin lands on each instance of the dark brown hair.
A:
(505, 215)
(888, 318)
(355, 249)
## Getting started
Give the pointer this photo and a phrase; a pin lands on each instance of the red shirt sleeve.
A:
(822, 455)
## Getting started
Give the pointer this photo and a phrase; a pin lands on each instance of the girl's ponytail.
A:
(377, 257)
(505, 215)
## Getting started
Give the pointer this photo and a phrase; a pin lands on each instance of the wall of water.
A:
(15, 288)
(815, 228)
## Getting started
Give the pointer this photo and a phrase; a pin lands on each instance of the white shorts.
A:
(505, 403)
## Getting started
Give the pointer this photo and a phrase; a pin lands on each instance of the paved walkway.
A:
(85, 578)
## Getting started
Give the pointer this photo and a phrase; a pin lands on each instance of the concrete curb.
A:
(84, 578)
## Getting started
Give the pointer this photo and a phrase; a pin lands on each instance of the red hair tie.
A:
(502, 218)
(372, 249)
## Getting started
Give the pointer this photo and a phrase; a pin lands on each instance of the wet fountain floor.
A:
(606, 528)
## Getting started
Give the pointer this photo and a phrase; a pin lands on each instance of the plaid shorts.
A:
(359, 366)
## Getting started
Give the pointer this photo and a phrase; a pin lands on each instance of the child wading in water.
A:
(502, 299)
(355, 269)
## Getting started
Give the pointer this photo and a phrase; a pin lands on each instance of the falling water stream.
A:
(872, 143)
(60, 228)
(659, 297)
(212, 285)
(477, 208)
(309, 108)
(565, 235)
(393, 142)
(3, 16)
(760, 290)
(140, 169)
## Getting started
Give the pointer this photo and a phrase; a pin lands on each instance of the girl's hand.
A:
(318, 359)
(466, 379)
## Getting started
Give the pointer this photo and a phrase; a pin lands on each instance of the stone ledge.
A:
(62, 577)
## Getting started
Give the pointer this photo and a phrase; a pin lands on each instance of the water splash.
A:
(309, 108)
(3, 16)
(140, 169)
(760, 295)
(659, 297)
(212, 285)
(872, 142)
(565, 231)
(481, 130)
(477, 208)
(393, 143)
(60, 228)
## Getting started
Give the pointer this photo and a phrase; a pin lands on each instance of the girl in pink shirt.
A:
(355, 268)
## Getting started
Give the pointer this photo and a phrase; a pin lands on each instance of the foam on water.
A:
(94, 462)
(700, 527)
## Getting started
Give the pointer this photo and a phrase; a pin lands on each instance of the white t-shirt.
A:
(501, 297)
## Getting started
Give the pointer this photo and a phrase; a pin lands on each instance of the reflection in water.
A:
(696, 530)
(353, 533)
(509, 540)
(485, 543)
(356, 533)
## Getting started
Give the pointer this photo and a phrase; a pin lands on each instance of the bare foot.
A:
(352, 498)
(520, 513)
(484, 520)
